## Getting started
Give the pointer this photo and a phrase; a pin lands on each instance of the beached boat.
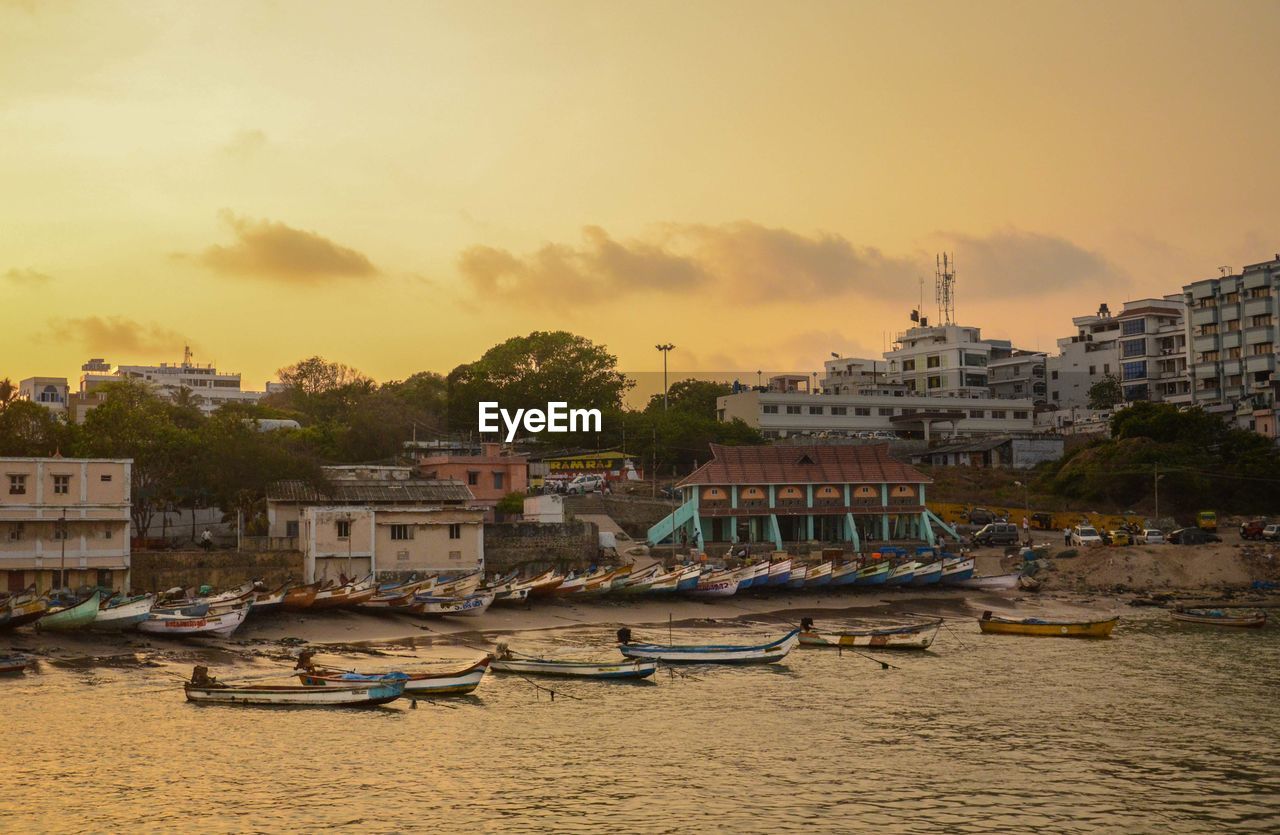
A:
(640, 582)
(997, 581)
(667, 581)
(689, 577)
(902, 573)
(819, 575)
(460, 586)
(205, 690)
(75, 615)
(299, 598)
(844, 574)
(24, 609)
(873, 575)
(910, 636)
(512, 597)
(429, 606)
(416, 685)
(194, 610)
(928, 574)
(798, 574)
(266, 601)
(779, 573)
(995, 624)
(388, 601)
(956, 570)
(344, 596)
(220, 625)
(1220, 617)
(545, 583)
(123, 614)
(715, 653)
(716, 584)
(575, 669)
(10, 664)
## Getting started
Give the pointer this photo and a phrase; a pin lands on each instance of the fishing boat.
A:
(819, 575)
(460, 586)
(632, 669)
(416, 685)
(910, 636)
(798, 574)
(299, 598)
(73, 615)
(10, 664)
(220, 625)
(689, 578)
(545, 583)
(955, 570)
(618, 578)
(667, 581)
(344, 596)
(206, 690)
(473, 604)
(512, 597)
(638, 583)
(195, 610)
(902, 573)
(997, 581)
(997, 625)
(844, 574)
(715, 653)
(24, 609)
(779, 573)
(574, 583)
(1219, 617)
(388, 600)
(928, 574)
(125, 613)
(266, 601)
(716, 584)
(873, 575)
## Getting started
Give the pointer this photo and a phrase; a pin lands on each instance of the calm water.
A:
(1164, 727)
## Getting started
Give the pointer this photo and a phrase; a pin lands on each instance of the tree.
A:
(696, 397)
(316, 375)
(30, 430)
(511, 504)
(1106, 393)
(8, 392)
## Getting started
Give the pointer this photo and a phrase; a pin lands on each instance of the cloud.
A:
(245, 144)
(271, 250)
(118, 334)
(1011, 262)
(27, 276)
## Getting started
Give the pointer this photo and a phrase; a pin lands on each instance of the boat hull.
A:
(362, 694)
(927, 575)
(908, 637)
(416, 685)
(1256, 621)
(125, 616)
(473, 606)
(763, 654)
(73, 617)
(1049, 629)
(220, 625)
(21, 614)
(998, 581)
(577, 669)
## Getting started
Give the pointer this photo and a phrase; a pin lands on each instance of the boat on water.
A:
(908, 636)
(125, 613)
(994, 624)
(819, 575)
(456, 682)
(716, 584)
(996, 581)
(22, 609)
(712, 653)
(220, 625)
(10, 664)
(206, 690)
(955, 570)
(507, 662)
(71, 615)
(928, 574)
(1221, 617)
(472, 604)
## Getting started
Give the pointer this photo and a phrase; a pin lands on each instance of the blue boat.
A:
(689, 580)
(928, 574)
(956, 570)
(874, 574)
(902, 573)
(844, 575)
(819, 575)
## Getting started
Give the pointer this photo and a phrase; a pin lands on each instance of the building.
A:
(65, 513)
(612, 465)
(1152, 346)
(488, 470)
(390, 541)
(839, 495)
(1083, 359)
(992, 453)
(286, 500)
(50, 392)
(1019, 376)
(208, 387)
(1232, 327)
(945, 360)
(785, 414)
(849, 375)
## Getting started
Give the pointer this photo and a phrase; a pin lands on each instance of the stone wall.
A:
(634, 514)
(158, 570)
(533, 547)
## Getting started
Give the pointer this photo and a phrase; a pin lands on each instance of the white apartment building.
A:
(1019, 376)
(50, 392)
(784, 414)
(850, 375)
(1153, 350)
(210, 387)
(944, 360)
(1083, 359)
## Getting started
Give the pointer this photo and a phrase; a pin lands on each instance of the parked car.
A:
(1192, 536)
(1253, 529)
(585, 484)
(1119, 537)
(980, 516)
(1085, 535)
(1151, 536)
(1271, 533)
(997, 533)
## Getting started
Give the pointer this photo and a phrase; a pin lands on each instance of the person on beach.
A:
(1066, 536)
(206, 540)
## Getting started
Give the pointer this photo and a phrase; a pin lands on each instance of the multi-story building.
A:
(849, 375)
(50, 392)
(64, 522)
(207, 386)
(945, 360)
(1083, 359)
(390, 540)
(489, 471)
(1019, 376)
(1233, 330)
(1153, 350)
(842, 496)
(784, 414)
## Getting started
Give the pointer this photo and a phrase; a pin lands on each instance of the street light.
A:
(665, 348)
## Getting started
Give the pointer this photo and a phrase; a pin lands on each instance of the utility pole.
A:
(665, 348)
(1155, 481)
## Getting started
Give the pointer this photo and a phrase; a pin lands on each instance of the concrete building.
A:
(209, 387)
(389, 541)
(1233, 330)
(1153, 350)
(781, 414)
(844, 496)
(992, 453)
(944, 360)
(50, 392)
(849, 375)
(70, 513)
(1019, 376)
(488, 470)
(287, 500)
(1083, 359)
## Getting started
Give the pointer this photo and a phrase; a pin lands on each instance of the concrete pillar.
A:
(853, 531)
(775, 533)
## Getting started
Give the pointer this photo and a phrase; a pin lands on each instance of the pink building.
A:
(490, 473)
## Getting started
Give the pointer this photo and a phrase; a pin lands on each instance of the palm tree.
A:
(8, 392)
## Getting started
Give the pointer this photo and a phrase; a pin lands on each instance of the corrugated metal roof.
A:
(818, 464)
(390, 492)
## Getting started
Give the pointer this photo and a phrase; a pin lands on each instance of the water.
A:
(1162, 728)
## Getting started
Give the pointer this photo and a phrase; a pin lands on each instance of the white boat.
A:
(220, 625)
(715, 653)
(818, 575)
(456, 682)
(998, 581)
(511, 597)
(576, 669)
(718, 584)
(204, 690)
(908, 636)
(475, 604)
(459, 586)
(955, 571)
(778, 573)
(124, 615)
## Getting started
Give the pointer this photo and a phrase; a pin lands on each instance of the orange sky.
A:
(401, 185)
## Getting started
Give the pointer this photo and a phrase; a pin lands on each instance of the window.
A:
(1232, 297)
(1209, 329)
(1131, 327)
(862, 411)
(1106, 368)
(935, 382)
(61, 485)
(455, 531)
(291, 529)
(998, 414)
(908, 365)
(17, 485)
(401, 532)
(1262, 321)
(1133, 348)
(769, 410)
(793, 410)
(1019, 415)
(1093, 369)
(886, 411)
(975, 359)
(1053, 375)
(104, 577)
(497, 480)
(473, 478)
(1260, 293)
(977, 413)
(815, 410)
(60, 531)
(106, 533)
(933, 362)
(455, 555)
(1133, 370)
(344, 529)
(1209, 356)
(15, 532)
(1261, 349)
(105, 478)
(1233, 325)
(839, 410)
(1135, 392)
(1233, 353)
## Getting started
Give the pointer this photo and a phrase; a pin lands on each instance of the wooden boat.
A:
(994, 624)
(387, 601)
(267, 601)
(575, 584)
(512, 597)
(195, 610)
(460, 586)
(798, 573)
(71, 616)
(845, 574)
(779, 573)
(639, 583)
(667, 581)
(689, 578)
(1219, 617)
(619, 577)
(716, 584)
(819, 575)
(910, 636)
(955, 570)
(576, 669)
(25, 609)
(343, 597)
(928, 574)
(474, 605)
(873, 575)
(10, 664)
(217, 625)
(301, 597)
(902, 573)
(545, 583)
(205, 690)
(715, 653)
(123, 614)
(416, 685)
(998, 581)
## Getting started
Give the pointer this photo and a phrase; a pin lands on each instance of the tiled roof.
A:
(818, 464)
(418, 491)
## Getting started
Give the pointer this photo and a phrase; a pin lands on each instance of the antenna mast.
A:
(945, 287)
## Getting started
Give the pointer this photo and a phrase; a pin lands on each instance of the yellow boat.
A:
(997, 625)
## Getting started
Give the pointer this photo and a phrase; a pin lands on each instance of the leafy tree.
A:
(1106, 393)
(696, 397)
(8, 392)
(30, 430)
(511, 504)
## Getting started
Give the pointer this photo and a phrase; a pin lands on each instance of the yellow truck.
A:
(1207, 520)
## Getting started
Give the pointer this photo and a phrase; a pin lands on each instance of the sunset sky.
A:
(399, 186)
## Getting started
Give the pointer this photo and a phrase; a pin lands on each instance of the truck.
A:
(1207, 520)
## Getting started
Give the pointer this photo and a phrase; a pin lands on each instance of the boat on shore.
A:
(11, 664)
(545, 583)
(875, 574)
(512, 597)
(205, 690)
(457, 682)
(819, 575)
(125, 613)
(1221, 617)
(768, 653)
(299, 598)
(844, 574)
(956, 570)
(908, 636)
(927, 574)
(266, 601)
(716, 584)
(996, 625)
(996, 581)
(779, 573)
(220, 625)
(344, 596)
(72, 615)
(429, 606)
(798, 575)
(902, 573)
(24, 608)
